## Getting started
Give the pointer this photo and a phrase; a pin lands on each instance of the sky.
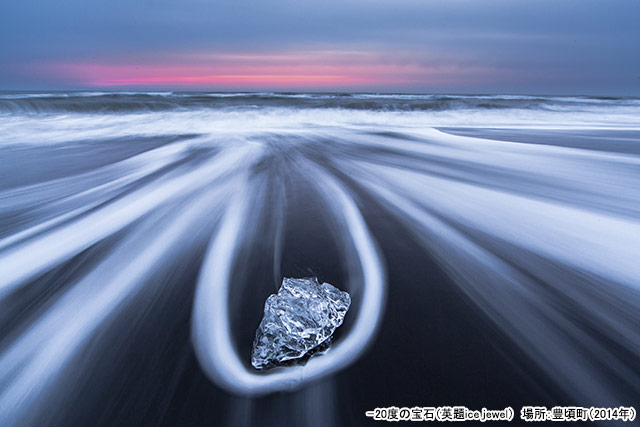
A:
(578, 47)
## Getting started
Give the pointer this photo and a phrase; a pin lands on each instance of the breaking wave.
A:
(121, 102)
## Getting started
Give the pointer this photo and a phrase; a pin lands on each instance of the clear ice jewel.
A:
(298, 321)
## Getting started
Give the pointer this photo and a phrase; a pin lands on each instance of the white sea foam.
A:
(542, 238)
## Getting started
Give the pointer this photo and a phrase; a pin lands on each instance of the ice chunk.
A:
(298, 321)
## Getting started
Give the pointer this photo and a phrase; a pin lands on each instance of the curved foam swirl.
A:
(210, 324)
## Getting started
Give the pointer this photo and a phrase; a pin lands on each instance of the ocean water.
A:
(490, 245)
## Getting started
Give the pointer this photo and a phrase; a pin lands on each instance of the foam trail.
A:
(279, 231)
(509, 251)
(210, 325)
(35, 362)
(87, 191)
(64, 242)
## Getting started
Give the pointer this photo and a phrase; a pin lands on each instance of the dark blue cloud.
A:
(585, 46)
